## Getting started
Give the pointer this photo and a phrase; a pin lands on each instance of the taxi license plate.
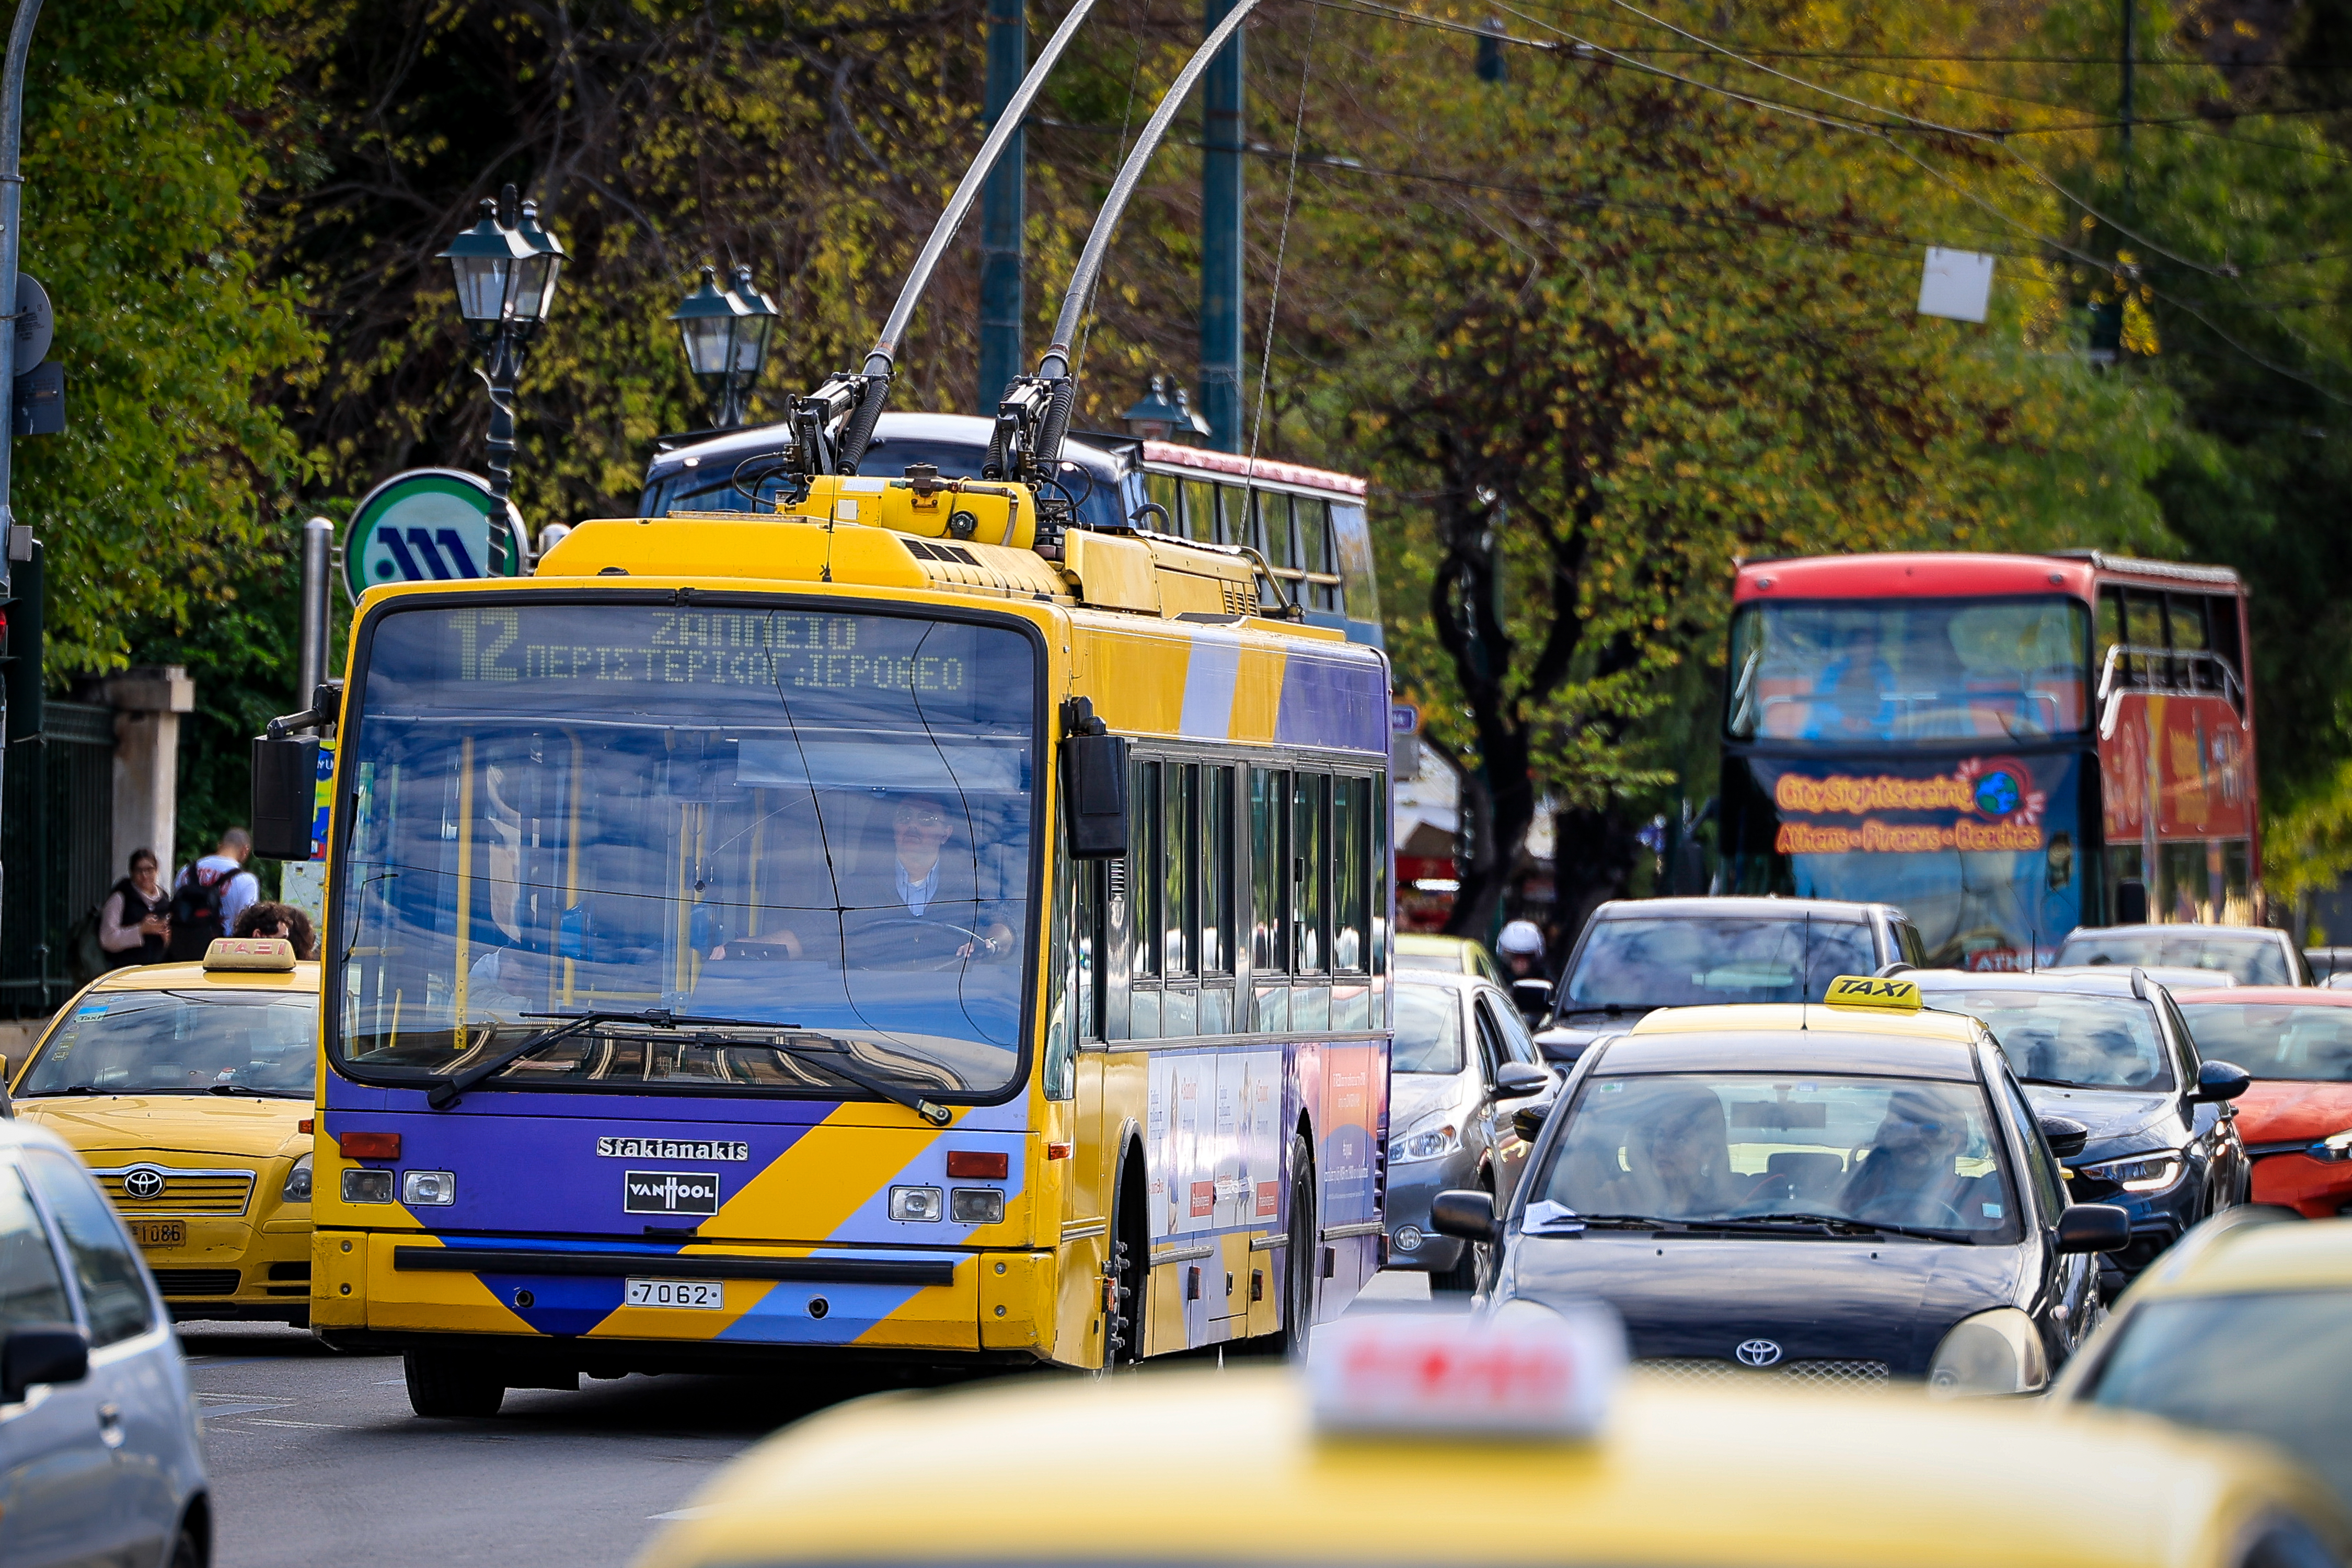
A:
(158, 1232)
(709, 1294)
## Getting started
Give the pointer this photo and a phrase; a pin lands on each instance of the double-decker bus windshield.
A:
(750, 841)
(1910, 669)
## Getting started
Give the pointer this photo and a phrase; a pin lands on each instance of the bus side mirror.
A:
(284, 795)
(1094, 792)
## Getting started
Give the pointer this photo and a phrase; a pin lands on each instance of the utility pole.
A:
(1002, 210)
(1222, 199)
(12, 189)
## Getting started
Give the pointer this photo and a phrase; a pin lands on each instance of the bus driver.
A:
(919, 886)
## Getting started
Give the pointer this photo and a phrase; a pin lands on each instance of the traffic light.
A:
(20, 647)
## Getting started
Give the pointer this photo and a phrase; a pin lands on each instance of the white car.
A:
(100, 1456)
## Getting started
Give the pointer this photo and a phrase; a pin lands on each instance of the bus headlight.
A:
(1998, 1351)
(297, 1183)
(365, 1186)
(2149, 1172)
(428, 1189)
(917, 1203)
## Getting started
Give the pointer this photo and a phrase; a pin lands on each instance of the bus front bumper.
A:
(375, 1288)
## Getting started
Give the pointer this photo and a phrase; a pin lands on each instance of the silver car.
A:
(100, 1459)
(1462, 1062)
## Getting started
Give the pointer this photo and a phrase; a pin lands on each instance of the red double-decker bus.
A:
(2007, 746)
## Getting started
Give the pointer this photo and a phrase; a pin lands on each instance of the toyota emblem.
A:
(1757, 1353)
(144, 1183)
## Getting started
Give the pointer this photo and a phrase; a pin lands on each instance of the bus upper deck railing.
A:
(2163, 672)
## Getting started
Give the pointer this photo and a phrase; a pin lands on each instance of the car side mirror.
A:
(2065, 1136)
(43, 1352)
(1528, 1121)
(1469, 1214)
(1515, 1080)
(2093, 1228)
(2218, 1081)
(1531, 997)
(285, 796)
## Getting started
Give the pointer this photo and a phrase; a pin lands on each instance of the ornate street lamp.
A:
(506, 275)
(725, 335)
(1160, 415)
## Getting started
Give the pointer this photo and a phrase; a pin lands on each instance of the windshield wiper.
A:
(1608, 1221)
(1832, 1222)
(256, 1093)
(446, 1092)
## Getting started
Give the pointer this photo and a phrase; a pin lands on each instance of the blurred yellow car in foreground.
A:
(2245, 1326)
(188, 1091)
(1240, 1466)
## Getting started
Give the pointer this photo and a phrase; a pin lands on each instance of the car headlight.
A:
(2336, 1146)
(2141, 1174)
(1998, 1351)
(1425, 1143)
(297, 1183)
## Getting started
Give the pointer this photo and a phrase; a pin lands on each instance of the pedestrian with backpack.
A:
(210, 895)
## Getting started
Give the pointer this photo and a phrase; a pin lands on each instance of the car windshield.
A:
(1428, 1030)
(1689, 1148)
(180, 1042)
(2060, 1037)
(1642, 962)
(2273, 1039)
(781, 817)
(2250, 961)
(1910, 669)
(2268, 1366)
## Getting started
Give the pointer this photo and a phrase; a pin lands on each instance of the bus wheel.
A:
(1123, 1286)
(440, 1383)
(1302, 1253)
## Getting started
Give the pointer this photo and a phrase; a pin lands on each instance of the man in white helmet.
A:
(1521, 946)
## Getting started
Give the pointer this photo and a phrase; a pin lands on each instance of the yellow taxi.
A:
(1412, 1439)
(188, 1089)
(2244, 1326)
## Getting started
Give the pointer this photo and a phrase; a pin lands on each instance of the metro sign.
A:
(428, 525)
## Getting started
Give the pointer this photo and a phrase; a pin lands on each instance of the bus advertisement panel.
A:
(2004, 746)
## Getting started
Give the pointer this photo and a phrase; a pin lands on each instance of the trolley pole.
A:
(1222, 198)
(1001, 215)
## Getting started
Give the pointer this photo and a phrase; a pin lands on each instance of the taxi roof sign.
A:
(1891, 994)
(1522, 1371)
(266, 952)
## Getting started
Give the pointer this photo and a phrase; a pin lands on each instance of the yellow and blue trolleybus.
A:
(712, 969)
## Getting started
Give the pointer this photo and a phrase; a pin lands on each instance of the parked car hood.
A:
(1889, 1300)
(2291, 1111)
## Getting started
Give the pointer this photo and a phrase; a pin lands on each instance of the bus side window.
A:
(1216, 871)
(1311, 517)
(2110, 634)
(1281, 538)
(1352, 874)
(1353, 548)
(2221, 630)
(1181, 839)
(2144, 623)
(2185, 622)
(1233, 509)
(1200, 519)
(1310, 868)
(1144, 882)
(1268, 890)
(1162, 488)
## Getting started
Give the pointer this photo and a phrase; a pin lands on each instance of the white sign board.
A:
(1956, 284)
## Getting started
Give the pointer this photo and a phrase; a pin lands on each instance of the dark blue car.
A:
(2112, 1051)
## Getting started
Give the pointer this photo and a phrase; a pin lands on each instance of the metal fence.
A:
(56, 842)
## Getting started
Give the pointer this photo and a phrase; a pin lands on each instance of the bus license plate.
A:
(158, 1232)
(709, 1294)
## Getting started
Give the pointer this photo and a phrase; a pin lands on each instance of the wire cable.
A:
(1282, 242)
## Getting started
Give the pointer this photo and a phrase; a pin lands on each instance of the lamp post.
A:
(725, 335)
(506, 275)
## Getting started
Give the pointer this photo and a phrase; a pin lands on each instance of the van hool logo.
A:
(670, 1192)
(2003, 811)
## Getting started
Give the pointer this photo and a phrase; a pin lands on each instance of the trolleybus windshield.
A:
(804, 832)
(1910, 669)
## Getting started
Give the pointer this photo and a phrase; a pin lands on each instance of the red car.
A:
(2296, 1120)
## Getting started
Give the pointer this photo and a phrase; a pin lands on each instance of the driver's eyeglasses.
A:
(922, 819)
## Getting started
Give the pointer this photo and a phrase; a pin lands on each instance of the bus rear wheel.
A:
(1303, 1251)
(441, 1384)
